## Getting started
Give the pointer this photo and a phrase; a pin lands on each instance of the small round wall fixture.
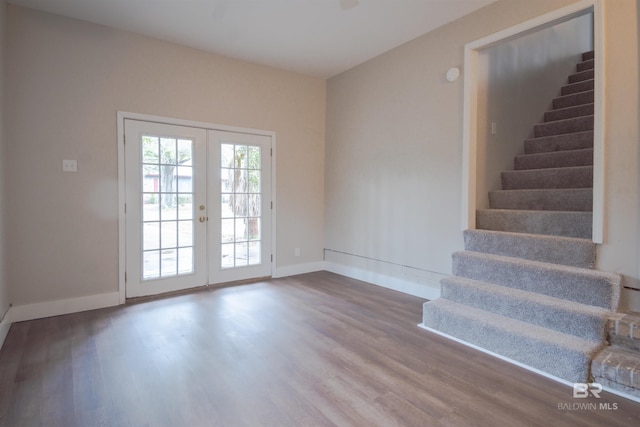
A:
(453, 73)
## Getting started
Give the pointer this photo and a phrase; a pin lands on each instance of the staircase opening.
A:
(510, 78)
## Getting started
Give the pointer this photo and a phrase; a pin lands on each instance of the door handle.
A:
(202, 219)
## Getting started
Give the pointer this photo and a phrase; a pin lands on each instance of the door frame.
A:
(121, 116)
(470, 109)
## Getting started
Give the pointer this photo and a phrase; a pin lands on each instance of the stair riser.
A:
(558, 159)
(575, 141)
(568, 364)
(573, 100)
(561, 127)
(581, 76)
(567, 224)
(569, 113)
(558, 318)
(574, 200)
(571, 252)
(576, 177)
(588, 55)
(586, 65)
(583, 286)
(576, 87)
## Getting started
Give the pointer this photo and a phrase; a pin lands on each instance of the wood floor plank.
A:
(312, 350)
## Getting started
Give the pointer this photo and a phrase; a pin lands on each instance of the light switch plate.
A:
(70, 166)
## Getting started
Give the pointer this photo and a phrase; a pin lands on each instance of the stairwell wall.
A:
(522, 78)
(394, 150)
(4, 291)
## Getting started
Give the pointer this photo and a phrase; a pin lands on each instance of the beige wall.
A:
(4, 291)
(65, 81)
(394, 144)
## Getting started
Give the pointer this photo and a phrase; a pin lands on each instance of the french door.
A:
(198, 207)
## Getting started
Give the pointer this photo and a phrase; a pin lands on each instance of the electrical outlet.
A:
(70, 166)
(494, 128)
(296, 251)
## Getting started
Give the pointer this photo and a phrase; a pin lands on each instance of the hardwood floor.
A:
(311, 350)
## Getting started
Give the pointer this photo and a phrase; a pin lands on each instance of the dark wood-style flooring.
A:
(311, 350)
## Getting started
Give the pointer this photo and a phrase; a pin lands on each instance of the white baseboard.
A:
(56, 308)
(292, 270)
(430, 290)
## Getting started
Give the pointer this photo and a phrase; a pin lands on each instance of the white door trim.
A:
(471, 52)
(120, 118)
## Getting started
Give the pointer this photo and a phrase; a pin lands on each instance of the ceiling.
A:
(320, 38)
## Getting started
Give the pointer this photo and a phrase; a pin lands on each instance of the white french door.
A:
(198, 207)
(240, 245)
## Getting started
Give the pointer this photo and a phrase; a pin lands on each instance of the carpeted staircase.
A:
(525, 287)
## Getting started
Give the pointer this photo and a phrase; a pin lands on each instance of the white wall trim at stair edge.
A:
(40, 310)
(427, 291)
(469, 156)
(5, 324)
(293, 270)
(524, 366)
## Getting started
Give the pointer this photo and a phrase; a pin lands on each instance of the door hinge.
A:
(125, 277)
(271, 205)
(271, 257)
(271, 152)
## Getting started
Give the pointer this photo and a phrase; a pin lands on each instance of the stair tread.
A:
(548, 178)
(575, 87)
(581, 75)
(564, 126)
(578, 284)
(572, 99)
(535, 297)
(585, 65)
(544, 266)
(573, 251)
(556, 153)
(557, 353)
(478, 316)
(554, 159)
(577, 319)
(581, 110)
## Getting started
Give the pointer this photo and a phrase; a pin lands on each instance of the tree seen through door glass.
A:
(240, 174)
(167, 206)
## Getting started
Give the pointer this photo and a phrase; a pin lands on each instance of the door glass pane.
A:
(167, 206)
(168, 262)
(185, 234)
(240, 173)
(151, 264)
(254, 253)
(227, 255)
(242, 254)
(185, 260)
